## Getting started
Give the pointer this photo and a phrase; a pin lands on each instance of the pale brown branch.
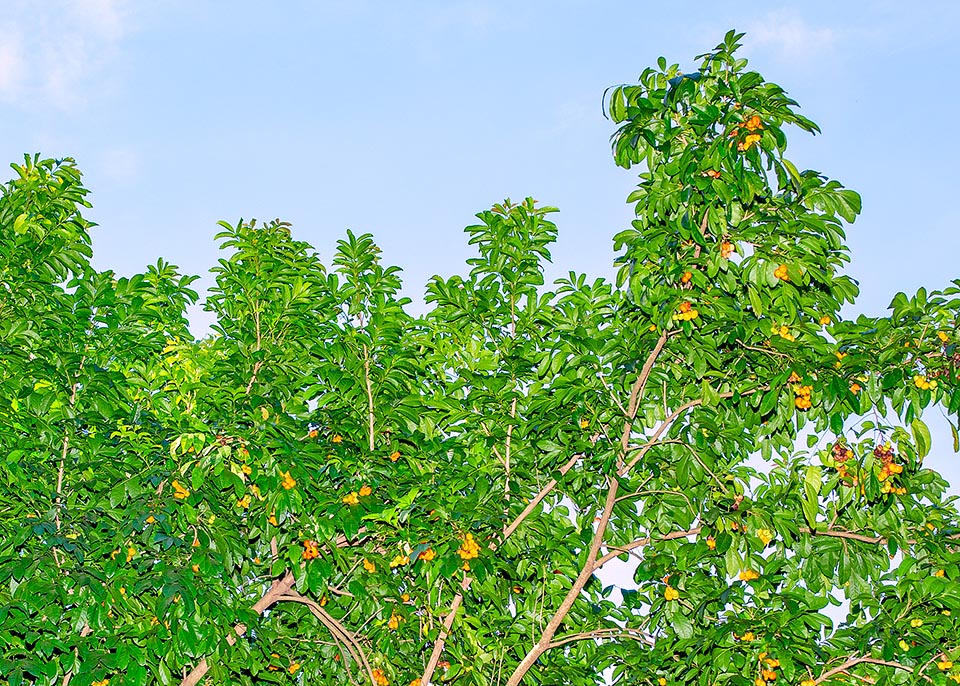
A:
(653, 440)
(65, 448)
(337, 629)
(611, 632)
(277, 589)
(853, 662)
(607, 387)
(84, 632)
(506, 459)
(532, 505)
(257, 366)
(852, 536)
(640, 542)
(586, 572)
(370, 415)
(637, 391)
(444, 632)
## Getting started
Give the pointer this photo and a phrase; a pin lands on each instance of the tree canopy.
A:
(328, 489)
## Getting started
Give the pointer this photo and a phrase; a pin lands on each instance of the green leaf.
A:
(921, 437)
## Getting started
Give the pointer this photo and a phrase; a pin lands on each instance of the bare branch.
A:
(337, 629)
(639, 543)
(370, 416)
(611, 632)
(277, 589)
(532, 505)
(853, 662)
(444, 632)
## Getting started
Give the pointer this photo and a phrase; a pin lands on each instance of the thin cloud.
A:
(790, 37)
(12, 65)
(57, 53)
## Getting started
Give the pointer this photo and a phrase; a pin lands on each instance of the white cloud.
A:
(790, 37)
(58, 52)
(11, 63)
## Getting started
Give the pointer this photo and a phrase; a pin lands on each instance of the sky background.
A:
(404, 119)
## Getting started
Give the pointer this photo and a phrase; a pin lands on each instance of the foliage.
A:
(329, 489)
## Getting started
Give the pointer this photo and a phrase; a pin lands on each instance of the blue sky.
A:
(403, 119)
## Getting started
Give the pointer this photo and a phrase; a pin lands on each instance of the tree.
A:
(328, 488)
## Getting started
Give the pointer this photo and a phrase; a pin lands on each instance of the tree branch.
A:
(853, 662)
(532, 505)
(370, 415)
(444, 632)
(639, 543)
(546, 638)
(611, 632)
(340, 632)
(277, 589)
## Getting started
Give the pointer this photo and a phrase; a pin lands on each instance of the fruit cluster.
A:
(784, 332)
(686, 313)
(841, 453)
(726, 249)
(802, 397)
(768, 666)
(470, 548)
(781, 273)
(921, 382)
(888, 469)
(310, 550)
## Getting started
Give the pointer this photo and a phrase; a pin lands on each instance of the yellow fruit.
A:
(671, 593)
(469, 549)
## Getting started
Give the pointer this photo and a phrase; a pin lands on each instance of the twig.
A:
(506, 459)
(370, 416)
